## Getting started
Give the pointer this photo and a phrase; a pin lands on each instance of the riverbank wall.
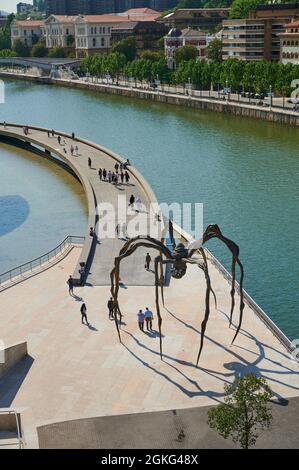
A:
(277, 115)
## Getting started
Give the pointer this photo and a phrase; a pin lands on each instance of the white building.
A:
(28, 31)
(93, 33)
(60, 31)
(289, 44)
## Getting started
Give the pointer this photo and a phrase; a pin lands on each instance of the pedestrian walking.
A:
(127, 176)
(140, 316)
(59, 139)
(110, 306)
(72, 150)
(89, 162)
(104, 174)
(116, 166)
(122, 176)
(77, 150)
(73, 135)
(132, 201)
(109, 176)
(117, 230)
(48, 134)
(83, 311)
(81, 273)
(149, 319)
(4, 124)
(70, 283)
(148, 260)
(100, 174)
(53, 133)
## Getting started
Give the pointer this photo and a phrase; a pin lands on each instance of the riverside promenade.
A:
(79, 372)
(97, 254)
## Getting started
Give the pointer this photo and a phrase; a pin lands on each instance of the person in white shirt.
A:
(149, 319)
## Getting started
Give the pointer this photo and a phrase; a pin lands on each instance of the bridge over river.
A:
(97, 254)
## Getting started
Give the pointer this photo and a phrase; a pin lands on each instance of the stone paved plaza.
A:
(77, 372)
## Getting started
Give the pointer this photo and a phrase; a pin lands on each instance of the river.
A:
(245, 172)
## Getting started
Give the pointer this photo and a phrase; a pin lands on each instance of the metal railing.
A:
(41, 261)
(18, 431)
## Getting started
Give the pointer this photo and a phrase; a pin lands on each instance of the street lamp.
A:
(270, 96)
(226, 89)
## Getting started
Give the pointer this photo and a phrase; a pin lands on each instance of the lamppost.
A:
(270, 96)
(226, 89)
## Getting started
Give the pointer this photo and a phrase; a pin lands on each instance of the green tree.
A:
(7, 53)
(21, 49)
(127, 47)
(5, 33)
(241, 8)
(184, 53)
(39, 49)
(214, 50)
(244, 411)
(57, 52)
(151, 55)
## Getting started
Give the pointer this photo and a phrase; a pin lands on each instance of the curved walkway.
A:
(98, 255)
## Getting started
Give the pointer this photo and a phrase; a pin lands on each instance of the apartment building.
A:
(258, 37)
(28, 31)
(289, 41)
(203, 18)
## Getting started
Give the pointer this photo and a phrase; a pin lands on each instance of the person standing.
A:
(70, 283)
(148, 260)
(104, 174)
(132, 201)
(127, 176)
(122, 176)
(116, 166)
(83, 310)
(140, 316)
(89, 162)
(72, 150)
(117, 230)
(109, 176)
(53, 133)
(110, 306)
(148, 318)
(100, 174)
(59, 139)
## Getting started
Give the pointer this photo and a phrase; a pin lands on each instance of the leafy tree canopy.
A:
(127, 47)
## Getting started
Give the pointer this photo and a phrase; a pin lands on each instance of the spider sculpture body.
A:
(179, 259)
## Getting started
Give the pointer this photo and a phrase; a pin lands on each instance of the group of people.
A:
(135, 203)
(147, 317)
(25, 130)
(116, 176)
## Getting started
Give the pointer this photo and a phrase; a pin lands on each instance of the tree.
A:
(127, 47)
(5, 33)
(57, 52)
(151, 55)
(7, 53)
(241, 8)
(21, 49)
(39, 49)
(244, 411)
(184, 53)
(214, 50)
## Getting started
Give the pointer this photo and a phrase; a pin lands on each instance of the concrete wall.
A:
(11, 355)
(237, 109)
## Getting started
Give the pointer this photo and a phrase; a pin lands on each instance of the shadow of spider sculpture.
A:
(179, 259)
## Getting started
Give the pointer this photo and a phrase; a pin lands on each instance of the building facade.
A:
(203, 18)
(27, 31)
(59, 31)
(93, 33)
(289, 40)
(97, 7)
(258, 37)
(146, 33)
(24, 8)
(177, 38)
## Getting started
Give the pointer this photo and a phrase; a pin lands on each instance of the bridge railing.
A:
(41, 261)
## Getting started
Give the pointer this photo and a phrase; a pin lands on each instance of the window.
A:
(102, 42)
(94, 42)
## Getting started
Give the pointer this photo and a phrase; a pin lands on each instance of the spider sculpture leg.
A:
(207, 313)
(114, 276)
(202, 251)
(157, 283)
(232, 292)
(242, 305)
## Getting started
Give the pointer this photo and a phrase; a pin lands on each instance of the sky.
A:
(10, 5)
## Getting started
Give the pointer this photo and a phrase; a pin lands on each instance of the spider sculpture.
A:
(179, 259)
